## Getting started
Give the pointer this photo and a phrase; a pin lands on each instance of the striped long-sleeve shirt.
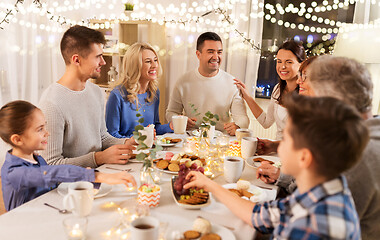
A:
(326, 211)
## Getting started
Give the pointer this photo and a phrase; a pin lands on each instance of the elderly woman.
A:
(289, 58)
(136, 91)
(351, 82)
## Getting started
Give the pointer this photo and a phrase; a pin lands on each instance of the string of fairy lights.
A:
(188, 16)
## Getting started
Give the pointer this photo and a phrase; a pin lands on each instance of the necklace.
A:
(140, 105)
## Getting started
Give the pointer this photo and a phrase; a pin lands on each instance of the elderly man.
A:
(351, 82)
(209, 89)
(74, 107)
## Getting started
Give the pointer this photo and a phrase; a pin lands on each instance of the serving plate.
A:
(101, 192)
(162, 154)
(252, 163)
(187, 206)
(185, 225)
(159, 142)
(163, 170)
(259, 194)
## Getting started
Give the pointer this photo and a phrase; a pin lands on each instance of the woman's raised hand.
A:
(242, 88)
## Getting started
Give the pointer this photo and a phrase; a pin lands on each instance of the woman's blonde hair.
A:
(131, 73)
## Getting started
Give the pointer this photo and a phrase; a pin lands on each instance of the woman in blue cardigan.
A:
(136, 91)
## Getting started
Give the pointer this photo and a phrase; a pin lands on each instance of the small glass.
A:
(191, 146)
(133, 211)
(222, 143)
(163, 230)
(148, 174)
(75, 228)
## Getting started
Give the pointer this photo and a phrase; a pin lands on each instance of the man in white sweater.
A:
(209, 89)
(74, 107)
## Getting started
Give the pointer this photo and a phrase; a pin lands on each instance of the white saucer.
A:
(103, 190)
(250, 161)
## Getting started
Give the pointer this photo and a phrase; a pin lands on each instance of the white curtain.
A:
(30, 57)
(29, 54)
(361, 40)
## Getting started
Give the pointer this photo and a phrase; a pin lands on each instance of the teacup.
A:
(248, 146)
(145, 228)
(179, 124)
(243, 132)
(233, 168)
(79, 198)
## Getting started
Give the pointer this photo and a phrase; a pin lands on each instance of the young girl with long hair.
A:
(25, 175)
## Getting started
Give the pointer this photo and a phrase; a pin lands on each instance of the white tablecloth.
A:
(34, 220)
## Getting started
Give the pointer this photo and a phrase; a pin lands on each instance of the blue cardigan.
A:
(121, 114)
(23, 181)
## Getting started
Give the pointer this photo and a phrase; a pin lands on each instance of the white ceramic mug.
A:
(243, 132)
(179, 124)
(79, 198)
(233, 168)
(145, 228)
(248, 146)
(149, 133)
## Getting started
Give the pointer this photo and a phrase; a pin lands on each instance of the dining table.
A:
(35, 220)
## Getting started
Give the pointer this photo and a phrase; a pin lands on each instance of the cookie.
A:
(173, 167)
(262, 160)
(192, 201)
(163, 164)
(157, 160)
(237, 192)
(175, 161)
(246, 193)
(191, 234)
(175, 140)
(211, 236)
(201, 195)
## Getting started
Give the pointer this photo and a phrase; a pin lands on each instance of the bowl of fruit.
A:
(188, 198)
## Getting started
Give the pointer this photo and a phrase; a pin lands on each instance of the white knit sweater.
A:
(275, 113)
(76, 123)
(216, 94)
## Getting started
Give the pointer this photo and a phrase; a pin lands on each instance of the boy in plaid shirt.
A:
(323, 137)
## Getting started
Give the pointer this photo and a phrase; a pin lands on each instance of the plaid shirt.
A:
(326, 211)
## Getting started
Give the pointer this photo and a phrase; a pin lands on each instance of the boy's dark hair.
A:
(333, 131)
(299, 51)
(78, 40)
(207, 36)
(14, 119)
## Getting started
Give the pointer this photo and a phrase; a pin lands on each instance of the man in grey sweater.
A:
(74, 107)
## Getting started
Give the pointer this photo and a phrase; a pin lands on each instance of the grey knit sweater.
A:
(364, 182)
(75, 120)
